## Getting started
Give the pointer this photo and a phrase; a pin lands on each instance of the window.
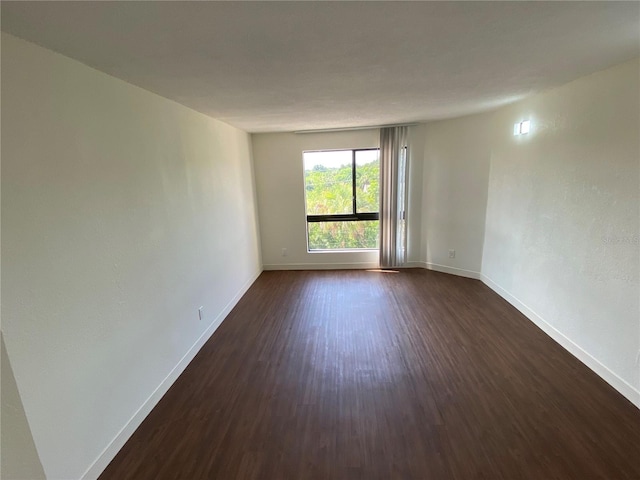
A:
(342, 198)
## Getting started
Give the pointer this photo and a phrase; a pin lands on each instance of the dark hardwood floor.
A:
(367, 375)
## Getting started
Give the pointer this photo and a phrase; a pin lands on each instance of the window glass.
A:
(367, 180)
(343, 235)
(342, 198)
(328, 182)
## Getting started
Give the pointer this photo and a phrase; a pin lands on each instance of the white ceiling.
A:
(283, 66)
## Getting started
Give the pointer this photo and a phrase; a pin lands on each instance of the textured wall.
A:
(454, 196)
(122, 213)
(563, 215)
(280, 192)
(19, 460)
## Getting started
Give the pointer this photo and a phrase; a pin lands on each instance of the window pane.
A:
(328, 182)
(343, 235)
(367, 181)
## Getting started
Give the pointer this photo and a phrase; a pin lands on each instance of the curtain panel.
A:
(393, 196)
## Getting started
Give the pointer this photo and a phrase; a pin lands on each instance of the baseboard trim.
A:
(110, 451)
(627, 390)
(446, 269)
(366, 265)
(321, 266)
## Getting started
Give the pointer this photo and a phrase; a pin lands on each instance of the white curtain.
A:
(393, 196)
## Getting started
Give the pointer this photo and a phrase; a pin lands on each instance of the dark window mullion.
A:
(353, 180)
(346, 217)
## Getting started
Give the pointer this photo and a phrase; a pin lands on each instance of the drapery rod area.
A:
(351, 129)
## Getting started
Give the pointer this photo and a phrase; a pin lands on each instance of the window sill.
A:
(346, 250)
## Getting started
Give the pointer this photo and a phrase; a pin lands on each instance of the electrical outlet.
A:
(284, 252)
(200, 313)
(452, 254)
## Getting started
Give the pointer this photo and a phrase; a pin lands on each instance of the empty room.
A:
(320, 240)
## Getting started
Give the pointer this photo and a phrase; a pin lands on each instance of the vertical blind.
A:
(393, 196)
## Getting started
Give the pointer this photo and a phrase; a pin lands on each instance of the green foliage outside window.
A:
(329, 192)
(343, 235)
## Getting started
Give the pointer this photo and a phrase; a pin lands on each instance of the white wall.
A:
(454, 197)
(122, 213)
(280, 192)
(562, 225)
(416, 139)
(19, 460)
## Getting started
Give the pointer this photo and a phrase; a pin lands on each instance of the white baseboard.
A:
(445, 269)
(110, 451)
(629, 392)
(415, 265)
(367, 265)
(320, 266)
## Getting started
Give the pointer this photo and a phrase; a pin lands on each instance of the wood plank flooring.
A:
(367, 375)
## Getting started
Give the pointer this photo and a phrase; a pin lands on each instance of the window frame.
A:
(344, 217)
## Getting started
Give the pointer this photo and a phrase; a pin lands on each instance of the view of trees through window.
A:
(342, 198)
